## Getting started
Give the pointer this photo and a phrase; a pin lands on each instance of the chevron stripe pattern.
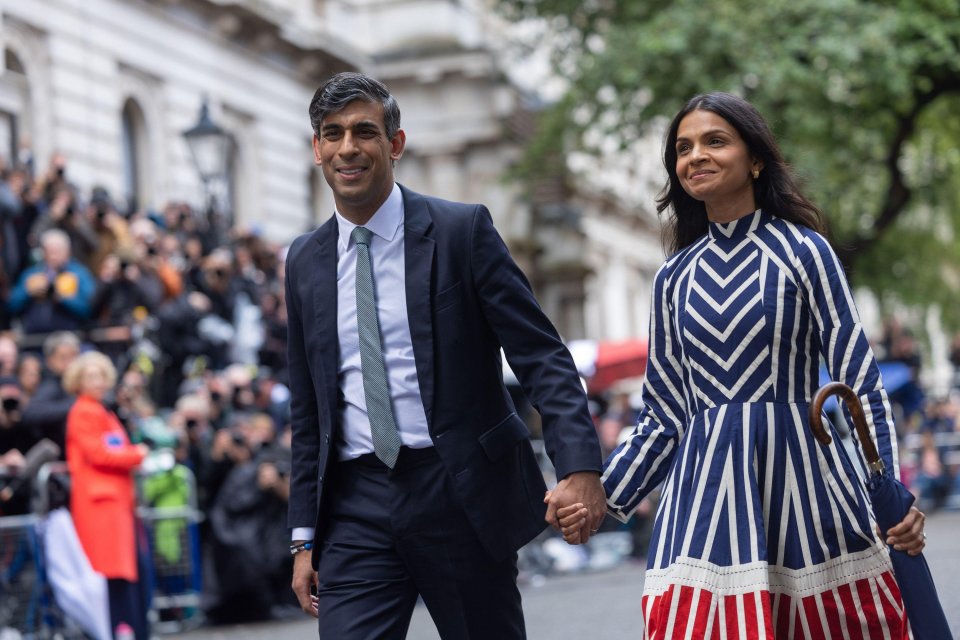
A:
(760, 531)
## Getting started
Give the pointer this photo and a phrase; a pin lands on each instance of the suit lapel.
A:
(418, 256)
(325, 304)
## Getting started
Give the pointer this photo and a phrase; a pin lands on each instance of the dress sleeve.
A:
(844, 345)
(642, 461)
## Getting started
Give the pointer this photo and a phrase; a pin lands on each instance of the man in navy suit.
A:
(442, 512)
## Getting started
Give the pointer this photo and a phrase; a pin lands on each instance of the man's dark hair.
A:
(344, 88)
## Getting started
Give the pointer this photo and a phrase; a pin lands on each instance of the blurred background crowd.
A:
(194, 322)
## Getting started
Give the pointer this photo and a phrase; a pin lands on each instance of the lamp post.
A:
(211, 147)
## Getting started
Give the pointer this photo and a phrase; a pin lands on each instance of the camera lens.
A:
(191, 423)
(11, 404)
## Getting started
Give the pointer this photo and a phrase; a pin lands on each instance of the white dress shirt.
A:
(389, 278)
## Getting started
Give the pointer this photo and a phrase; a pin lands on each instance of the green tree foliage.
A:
(864, 96)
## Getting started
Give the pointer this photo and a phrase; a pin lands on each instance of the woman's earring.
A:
(756, 173)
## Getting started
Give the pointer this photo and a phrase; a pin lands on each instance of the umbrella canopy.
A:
(603, 363)
(891, 501)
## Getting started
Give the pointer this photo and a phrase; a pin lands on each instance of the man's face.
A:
(8, 355)
(357, 158)
(61, 357)
(56, 254)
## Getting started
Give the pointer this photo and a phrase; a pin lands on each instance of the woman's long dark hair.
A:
(775, 191)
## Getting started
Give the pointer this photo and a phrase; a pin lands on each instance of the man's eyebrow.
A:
(362, 124)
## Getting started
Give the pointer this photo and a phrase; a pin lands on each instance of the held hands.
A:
(304, 583)
(578, 499)
(908, 535)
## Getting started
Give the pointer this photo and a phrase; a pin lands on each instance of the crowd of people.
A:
(192, 317)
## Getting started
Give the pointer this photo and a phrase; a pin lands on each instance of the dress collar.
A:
(736, 229)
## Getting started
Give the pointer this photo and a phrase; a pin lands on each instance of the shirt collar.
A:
(384, 223)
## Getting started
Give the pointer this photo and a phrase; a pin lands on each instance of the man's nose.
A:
(348, 145)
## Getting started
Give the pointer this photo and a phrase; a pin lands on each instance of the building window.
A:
(133, 146)
(15, 140)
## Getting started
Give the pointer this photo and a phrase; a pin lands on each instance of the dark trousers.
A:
(126, 605)
(393, 534)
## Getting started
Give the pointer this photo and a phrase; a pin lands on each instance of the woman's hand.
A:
(908, 535)
(572, 520)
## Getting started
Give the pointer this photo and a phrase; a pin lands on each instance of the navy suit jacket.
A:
(465, 299)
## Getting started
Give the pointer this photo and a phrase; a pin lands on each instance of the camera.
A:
(191, 424)
(11, 404)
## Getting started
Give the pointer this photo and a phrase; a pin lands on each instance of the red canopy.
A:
(616, 361)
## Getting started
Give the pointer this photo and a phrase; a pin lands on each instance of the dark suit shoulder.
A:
(443, 212)
(302, 243)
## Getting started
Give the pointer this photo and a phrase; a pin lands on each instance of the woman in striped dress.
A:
(761, 532)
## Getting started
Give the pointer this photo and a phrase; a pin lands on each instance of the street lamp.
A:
(211, 147)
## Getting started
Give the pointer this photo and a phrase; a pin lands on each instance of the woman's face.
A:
(715, 166)
(93, 382)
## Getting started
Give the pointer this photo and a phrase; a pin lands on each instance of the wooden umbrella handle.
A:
(856, 412)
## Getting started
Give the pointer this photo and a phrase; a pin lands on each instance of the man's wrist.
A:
(298, 546)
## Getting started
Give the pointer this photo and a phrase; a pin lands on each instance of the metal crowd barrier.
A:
(174, 540)
(28, 609)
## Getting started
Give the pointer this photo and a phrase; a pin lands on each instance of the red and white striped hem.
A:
(867, 609)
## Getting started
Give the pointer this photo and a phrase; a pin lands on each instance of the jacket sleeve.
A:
(304, 421)
(843, 343)
(18, 295)
(641, 462)
(534, 350)
(85, 428)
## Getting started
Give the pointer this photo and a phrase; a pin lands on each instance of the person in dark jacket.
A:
(46, 413)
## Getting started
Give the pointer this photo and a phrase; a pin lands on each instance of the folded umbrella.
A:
(891, 501)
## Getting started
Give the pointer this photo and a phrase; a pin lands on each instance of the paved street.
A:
(607, 604)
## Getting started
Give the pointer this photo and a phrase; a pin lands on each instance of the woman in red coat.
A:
(102, 496)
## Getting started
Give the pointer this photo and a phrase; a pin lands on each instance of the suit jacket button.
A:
(320, 479)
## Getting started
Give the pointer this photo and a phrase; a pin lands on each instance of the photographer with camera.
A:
(15, 440)
(65, 211)
(46, 412)
(55, 294)
(110, 228)
(248, 528)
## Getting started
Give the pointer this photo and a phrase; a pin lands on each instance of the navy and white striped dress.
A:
(761, 532)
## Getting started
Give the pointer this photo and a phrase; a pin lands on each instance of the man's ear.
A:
(397, 145)
(316, 150)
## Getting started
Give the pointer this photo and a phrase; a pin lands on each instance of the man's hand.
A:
(304, 577)
(581, 487)
(37, 285)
